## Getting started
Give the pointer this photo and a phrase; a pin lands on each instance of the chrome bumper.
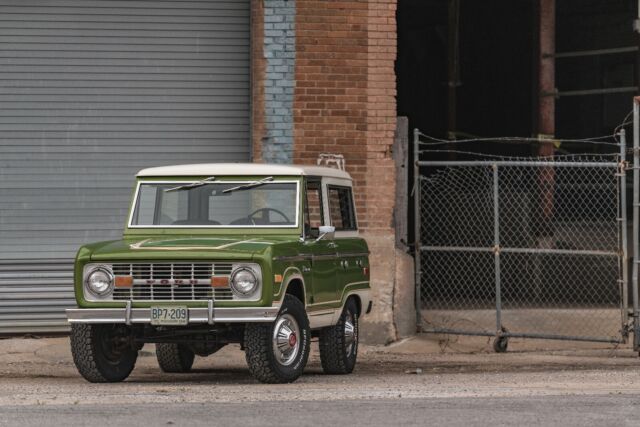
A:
(199, 315)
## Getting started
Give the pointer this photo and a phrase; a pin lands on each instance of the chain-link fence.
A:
(523, 247)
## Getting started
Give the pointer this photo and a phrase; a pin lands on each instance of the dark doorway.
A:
(496, 85)
(587, 26)
(495, 67)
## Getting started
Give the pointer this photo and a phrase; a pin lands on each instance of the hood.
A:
(197, 247)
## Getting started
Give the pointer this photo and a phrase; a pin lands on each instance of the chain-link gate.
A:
(523, 247)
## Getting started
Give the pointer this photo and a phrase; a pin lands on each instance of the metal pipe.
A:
(623, 226)
(546, 74)
(453, 68)
(540, 163)
(546, 120)
(636, 220)
(416, 226)
(586, 92)
(563, 337)
(455, 249)
(460, 332)
(591, 52)
(496, 246)
(545, 251)
(525, 335)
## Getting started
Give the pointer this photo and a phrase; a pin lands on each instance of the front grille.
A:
(172, 281)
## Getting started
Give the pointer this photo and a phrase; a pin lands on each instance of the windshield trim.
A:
(209, 226)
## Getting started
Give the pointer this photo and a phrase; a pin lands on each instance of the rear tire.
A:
(277, 352)
(103, 353)
(174, 358)
(339, 343)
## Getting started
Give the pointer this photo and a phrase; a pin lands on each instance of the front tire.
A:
(277, 352)
(174, 358)
(103, 353)
(339, 343)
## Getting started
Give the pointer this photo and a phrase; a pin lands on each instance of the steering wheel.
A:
(265, 210)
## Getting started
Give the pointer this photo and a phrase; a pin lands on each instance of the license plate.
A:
(169, 315)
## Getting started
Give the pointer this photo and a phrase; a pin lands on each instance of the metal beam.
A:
(592, 52)
(538, 163)
(586, 92)
(546, 74)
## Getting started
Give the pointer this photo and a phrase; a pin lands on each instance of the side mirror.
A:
(326, 232)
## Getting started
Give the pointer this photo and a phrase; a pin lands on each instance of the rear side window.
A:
(341, 208)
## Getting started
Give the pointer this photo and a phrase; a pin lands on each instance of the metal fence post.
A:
(417, 241)
(636, 219)
(623, 226)
(496, 248)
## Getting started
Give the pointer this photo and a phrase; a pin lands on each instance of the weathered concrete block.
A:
(404, 313)
(377, 327)
(392, 285)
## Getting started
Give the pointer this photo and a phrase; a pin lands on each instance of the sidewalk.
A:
(40, 372)
(51, 357)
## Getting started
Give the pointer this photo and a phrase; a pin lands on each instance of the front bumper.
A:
(200, 315)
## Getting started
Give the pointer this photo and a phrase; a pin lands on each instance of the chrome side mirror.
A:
(326, 232)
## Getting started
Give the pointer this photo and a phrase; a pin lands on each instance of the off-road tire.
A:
(88, 344)
(174, 358)
(259, 353)
(335, 356)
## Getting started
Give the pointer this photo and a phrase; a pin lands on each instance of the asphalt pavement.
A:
(563, 411)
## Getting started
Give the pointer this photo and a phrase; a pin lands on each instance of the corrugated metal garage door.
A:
(91, 92)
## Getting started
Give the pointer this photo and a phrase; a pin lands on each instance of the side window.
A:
(313, 209)
(341, 208)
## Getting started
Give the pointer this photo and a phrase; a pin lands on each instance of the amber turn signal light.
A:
(123, 281)
(220, 282)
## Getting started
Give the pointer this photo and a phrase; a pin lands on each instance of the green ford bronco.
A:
(265, 256)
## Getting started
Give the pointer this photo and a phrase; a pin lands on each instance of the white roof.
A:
(239, 169)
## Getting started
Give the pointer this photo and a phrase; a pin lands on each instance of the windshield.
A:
(219, 204)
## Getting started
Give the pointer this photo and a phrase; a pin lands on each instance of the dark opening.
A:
(497, 82)
(495, 67)
(583, 25)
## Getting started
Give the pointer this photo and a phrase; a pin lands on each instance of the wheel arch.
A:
(356, 298)
(294, 285)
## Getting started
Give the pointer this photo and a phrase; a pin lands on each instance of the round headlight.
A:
(244, 281)
(100, 281)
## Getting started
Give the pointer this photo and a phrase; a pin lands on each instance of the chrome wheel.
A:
(339, 343)
(286, 339)
(350, 332)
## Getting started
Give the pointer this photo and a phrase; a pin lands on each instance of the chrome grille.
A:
(172, 281)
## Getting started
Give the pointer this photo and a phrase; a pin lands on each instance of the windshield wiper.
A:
(249, 185)
(192, 185)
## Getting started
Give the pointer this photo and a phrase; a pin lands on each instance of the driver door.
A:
(323, 266)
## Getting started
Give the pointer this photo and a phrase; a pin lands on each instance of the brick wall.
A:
(279, 79)
(343, 95)
(344, 103)
(273, 79)
(381, 113)
(258, 66)
(340, 104)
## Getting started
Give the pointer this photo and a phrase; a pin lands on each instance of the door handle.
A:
(306, 269)
(332, 245)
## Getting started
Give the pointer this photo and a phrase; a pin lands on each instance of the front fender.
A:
(290, 274)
